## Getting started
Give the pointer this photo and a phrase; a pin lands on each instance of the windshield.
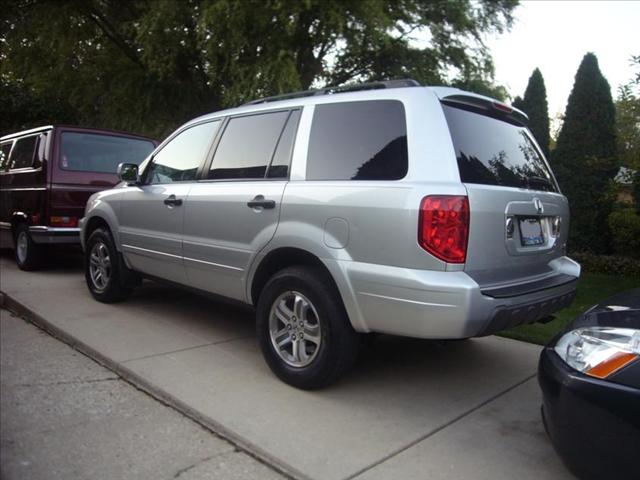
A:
(92, 152)
(494, 152)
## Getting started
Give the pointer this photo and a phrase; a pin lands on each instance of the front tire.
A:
(303, 328)
(28, 254)
(102, 268)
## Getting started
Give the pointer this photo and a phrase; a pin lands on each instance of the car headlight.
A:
(599, 351)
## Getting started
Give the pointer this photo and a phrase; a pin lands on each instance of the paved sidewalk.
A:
(63, 416)
(411, 408)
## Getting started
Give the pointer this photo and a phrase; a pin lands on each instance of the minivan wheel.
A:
(303, 328)
(102, 268)
(28, 254)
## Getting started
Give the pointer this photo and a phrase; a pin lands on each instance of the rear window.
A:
(494, 152)
(88, 152)
(358, 141)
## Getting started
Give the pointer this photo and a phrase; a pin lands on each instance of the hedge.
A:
(608, 264)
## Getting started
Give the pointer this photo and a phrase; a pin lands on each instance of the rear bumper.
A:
(428, 304)
(55, 235)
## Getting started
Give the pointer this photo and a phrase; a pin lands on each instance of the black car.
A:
(590, 380)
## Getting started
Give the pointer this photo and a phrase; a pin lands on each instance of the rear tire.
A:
(102, 268)
(28, 254)
(303, 328)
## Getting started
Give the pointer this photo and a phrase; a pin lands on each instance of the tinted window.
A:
(23, 152)
(494, 152)
(178, 161)
(5, 148)
(279, 167)
(89, 152)
(247, 146)
(358, 141)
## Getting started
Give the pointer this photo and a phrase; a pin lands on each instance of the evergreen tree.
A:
(534, 104)
(585, 159)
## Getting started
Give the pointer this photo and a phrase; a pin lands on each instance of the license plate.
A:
(531, 232)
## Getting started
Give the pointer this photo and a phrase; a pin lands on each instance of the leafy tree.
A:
(20, 109)
(585, 157)
(149, 65)
(534, 104)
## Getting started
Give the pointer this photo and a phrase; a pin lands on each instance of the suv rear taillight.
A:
(443, 227)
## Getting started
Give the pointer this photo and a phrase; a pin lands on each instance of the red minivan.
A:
(46, 176)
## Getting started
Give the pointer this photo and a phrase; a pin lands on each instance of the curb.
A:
(151, 389)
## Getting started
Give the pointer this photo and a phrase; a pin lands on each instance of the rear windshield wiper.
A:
(540, 181)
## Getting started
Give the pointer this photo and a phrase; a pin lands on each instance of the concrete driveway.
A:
(411, 408)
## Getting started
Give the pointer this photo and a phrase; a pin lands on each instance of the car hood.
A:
(621, 310)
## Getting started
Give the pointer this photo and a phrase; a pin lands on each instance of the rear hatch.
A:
(85, 163)
(519, 220)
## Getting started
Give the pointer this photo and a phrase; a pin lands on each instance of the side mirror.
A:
(128, 172)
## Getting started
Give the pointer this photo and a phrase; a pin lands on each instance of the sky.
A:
(555, 35)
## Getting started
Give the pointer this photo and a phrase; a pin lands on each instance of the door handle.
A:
(259, 201)
(172, 201)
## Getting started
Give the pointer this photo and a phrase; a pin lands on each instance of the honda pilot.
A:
(389, 207)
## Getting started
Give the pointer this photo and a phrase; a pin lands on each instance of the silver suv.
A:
(387, 207)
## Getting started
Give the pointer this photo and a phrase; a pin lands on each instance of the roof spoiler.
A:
(490, 105)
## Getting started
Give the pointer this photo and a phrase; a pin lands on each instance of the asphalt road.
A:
(63, 416)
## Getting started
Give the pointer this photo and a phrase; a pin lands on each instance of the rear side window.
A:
(358, 141)
(279, 167)
(89, 152)
(494, 152)
(5, 149)
(23, 152)
(247, 146)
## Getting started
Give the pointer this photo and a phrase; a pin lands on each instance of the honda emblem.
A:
(538, 204)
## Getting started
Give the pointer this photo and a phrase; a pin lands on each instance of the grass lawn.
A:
(592, 288)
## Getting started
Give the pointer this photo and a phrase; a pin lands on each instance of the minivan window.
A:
(89, 152)
(178, 161)
(5, 149)
(491, 151)
(23, 152)
(247, 146)
(358, 141)
(279, 167)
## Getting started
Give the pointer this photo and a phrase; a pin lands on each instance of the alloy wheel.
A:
(100, 266)
(294, 329)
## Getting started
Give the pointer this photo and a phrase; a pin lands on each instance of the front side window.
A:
(178, 161)
(358, 141)
(91, 152)
(247, 146)
(5, 149)
(23, 152)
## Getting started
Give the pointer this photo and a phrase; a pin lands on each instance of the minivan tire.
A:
(338, 341)
(102, 265)
(28, 254)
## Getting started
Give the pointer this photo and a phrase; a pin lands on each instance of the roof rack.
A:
(399, 83)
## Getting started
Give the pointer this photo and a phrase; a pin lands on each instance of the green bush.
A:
(636, 191)
(625, 229)
(608, 264)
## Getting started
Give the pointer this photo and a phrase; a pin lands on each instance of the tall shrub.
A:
(584, 160)
(535, 105)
